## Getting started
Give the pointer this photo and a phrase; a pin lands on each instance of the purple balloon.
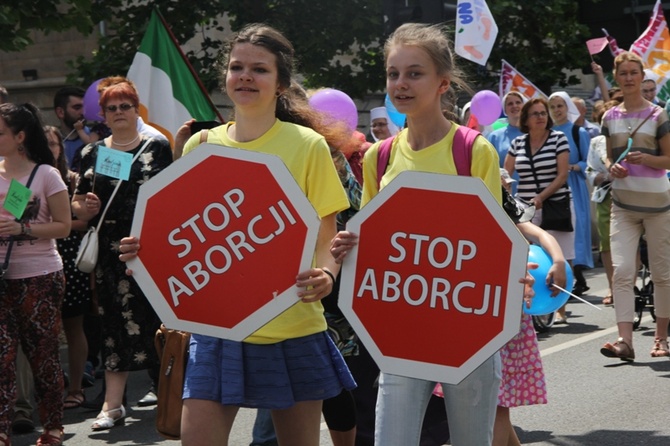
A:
(486, 107)
(92, 103)
(337, 105)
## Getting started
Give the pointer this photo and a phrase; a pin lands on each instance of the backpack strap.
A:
(383, 157)
(575, 138)
(464, 139)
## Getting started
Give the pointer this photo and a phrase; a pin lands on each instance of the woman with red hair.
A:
(128, 320)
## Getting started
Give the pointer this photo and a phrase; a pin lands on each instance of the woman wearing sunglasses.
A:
(128, 322)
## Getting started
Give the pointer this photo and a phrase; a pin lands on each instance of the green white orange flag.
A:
(653, 46)
(169, 92)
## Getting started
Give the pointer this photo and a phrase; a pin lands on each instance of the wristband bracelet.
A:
(329, 274)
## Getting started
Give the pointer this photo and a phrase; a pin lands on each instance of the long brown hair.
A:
(61, 162)
(28, 119)
(292, 105)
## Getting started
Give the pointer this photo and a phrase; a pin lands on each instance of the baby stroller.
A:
(644, 293)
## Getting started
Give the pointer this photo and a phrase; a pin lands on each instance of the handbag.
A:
(556, 214)
(600, 192)
(87, 255)
(5, 265)
(172, 347)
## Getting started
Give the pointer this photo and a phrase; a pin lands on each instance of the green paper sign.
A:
(17, 199)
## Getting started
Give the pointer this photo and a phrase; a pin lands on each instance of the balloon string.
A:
(576, 297)
(70, 134)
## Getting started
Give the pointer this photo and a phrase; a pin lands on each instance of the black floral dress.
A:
(129, 323)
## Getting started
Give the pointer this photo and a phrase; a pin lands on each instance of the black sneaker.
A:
(579, 289)
(88, 379)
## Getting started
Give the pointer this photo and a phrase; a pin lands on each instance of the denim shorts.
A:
(270, 376)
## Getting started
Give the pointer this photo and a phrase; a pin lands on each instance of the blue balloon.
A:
(397, 117)
(543, 302)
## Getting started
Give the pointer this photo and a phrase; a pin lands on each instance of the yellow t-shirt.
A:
(437, 158)
(307, 157)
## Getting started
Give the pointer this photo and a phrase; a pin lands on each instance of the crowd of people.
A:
(547, 148)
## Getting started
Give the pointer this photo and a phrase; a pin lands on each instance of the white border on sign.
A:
(424, 370)
(284, 299)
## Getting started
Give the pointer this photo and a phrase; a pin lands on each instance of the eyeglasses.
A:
(124, 107)
(538, 115)
(648, 90)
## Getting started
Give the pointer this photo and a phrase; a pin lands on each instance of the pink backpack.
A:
(462, 149)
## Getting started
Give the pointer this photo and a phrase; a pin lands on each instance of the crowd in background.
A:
(550, 151)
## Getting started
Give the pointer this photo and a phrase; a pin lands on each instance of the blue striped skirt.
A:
(269, 376)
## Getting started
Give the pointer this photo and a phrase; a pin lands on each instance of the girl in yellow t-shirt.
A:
(290, 365)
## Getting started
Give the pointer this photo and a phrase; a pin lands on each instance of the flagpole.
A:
(188, 64)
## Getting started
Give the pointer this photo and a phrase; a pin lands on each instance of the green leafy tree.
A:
(334, 46)
(18, 18)
(338, 44)
(125, 22)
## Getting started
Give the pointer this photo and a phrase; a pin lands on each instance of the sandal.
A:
(46, 439)
(608, 300)
(660, 348)
(104, 421)
(620, 349)
(74, 399)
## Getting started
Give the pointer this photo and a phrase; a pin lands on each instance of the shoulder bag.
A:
(5, 265)
(87, 256)
(556, 214)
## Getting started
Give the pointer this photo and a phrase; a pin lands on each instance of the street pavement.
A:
(593, 400)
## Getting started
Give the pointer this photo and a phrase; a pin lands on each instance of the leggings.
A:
(339, 412)
(30, 314)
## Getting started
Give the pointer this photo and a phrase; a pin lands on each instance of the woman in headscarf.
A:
(503, 137)
(564, 113)
(381, 125)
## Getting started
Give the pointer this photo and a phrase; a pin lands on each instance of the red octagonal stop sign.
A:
(223, 234)
(432, 288)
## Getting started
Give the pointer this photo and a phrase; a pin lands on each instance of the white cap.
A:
(573, 113)
(381, 112)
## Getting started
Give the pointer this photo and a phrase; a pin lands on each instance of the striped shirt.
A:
(545, 163)
(645, 189)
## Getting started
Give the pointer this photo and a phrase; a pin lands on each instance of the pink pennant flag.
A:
(596, 45)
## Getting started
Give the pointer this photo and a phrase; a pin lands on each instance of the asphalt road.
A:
(593, 400)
